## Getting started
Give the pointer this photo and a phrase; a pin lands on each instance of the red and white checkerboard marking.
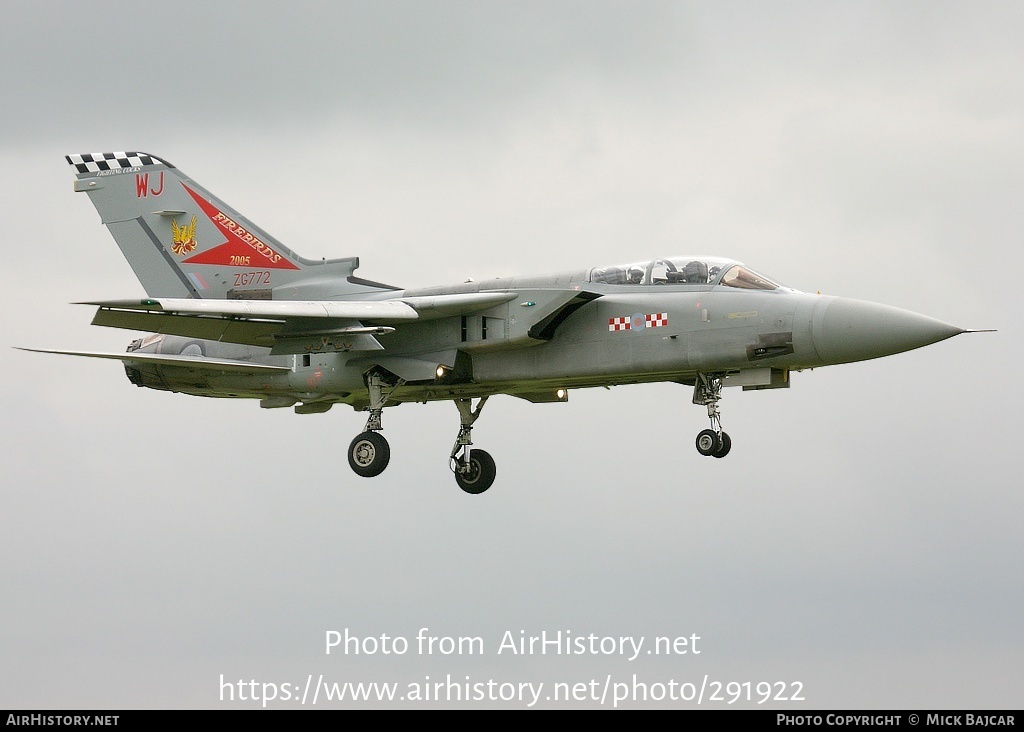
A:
(651, 320)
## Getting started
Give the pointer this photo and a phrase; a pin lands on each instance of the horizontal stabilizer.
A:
(192, 362)
(287, 326)
(273, 310)
(407, 308)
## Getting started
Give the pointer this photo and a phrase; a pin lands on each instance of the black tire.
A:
(726, 446)
(481, 473)
(708, 442)
(368, 454)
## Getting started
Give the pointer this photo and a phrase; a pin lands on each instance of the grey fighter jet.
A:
(232, 312)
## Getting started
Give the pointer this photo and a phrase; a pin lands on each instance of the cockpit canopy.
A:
(683, 271)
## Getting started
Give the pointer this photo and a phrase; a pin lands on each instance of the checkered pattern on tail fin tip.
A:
(95, 162)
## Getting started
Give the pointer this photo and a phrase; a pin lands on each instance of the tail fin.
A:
(182, 241)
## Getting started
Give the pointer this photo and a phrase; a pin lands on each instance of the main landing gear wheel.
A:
(369, 454)
(708, 442)
(479, 474)
(726, 446)
(474, 469)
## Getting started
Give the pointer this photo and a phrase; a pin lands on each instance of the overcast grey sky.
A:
(862, 538)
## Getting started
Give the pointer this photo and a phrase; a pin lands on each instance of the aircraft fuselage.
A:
(622, 335)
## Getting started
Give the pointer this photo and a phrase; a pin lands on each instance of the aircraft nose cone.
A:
(854, 330)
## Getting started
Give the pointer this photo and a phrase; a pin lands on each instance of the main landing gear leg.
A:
(474, 469)
(369, 452)
(707, 391)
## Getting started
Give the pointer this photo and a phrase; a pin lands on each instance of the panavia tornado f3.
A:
(232, 312)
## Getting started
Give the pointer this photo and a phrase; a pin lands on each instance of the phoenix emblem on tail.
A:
(184, 237)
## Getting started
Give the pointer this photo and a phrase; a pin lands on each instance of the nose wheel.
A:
(714, 444)
(707, 391)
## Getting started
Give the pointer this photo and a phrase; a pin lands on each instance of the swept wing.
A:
(288, 326)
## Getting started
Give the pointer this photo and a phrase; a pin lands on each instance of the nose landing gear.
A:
(707, 391)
